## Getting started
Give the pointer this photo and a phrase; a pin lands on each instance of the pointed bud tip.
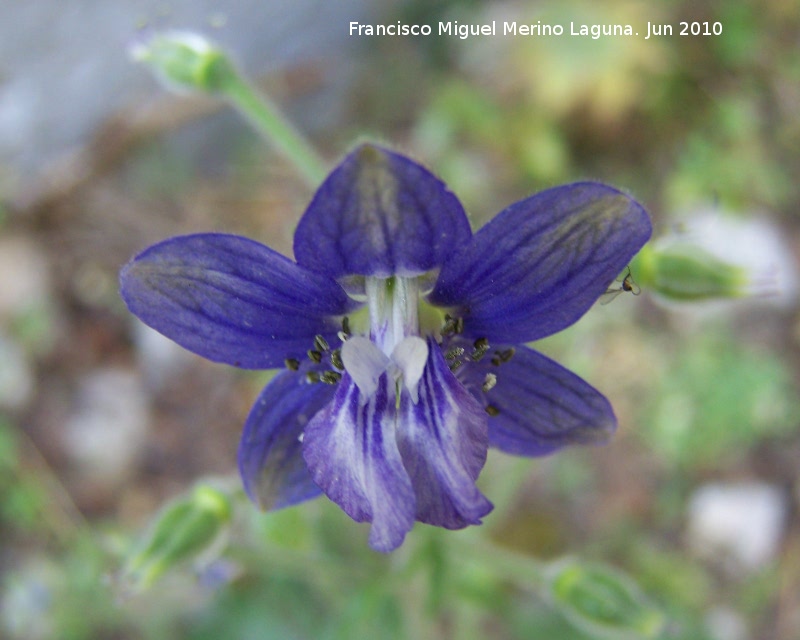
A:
(188, 528)
(183, 60)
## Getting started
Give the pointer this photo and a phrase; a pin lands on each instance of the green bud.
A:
(603, 602)
(188, 528)
(186, 61)
(686, 272)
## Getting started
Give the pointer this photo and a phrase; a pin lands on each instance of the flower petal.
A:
(365, 363)
(443, 440)
(351, 452)
(270, 452)
(410, 356)
(539, 265)
(380, 214)
(543, 406)
(232, 300)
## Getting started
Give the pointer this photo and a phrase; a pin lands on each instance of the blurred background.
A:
(102, 421)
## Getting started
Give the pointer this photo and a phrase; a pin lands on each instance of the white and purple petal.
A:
(380, 214)
(541, 406)
(231, 299)
(541, 263)
(443, 440)
(270, 452)
(351, 451)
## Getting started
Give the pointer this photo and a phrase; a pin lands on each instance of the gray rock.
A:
(107, 430)
(740, 524)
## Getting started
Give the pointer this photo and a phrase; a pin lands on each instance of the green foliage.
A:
(603, 602)
(187, 529)
(24, 498)
(717, 399)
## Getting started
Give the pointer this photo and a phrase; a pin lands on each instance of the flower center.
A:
(393, 310)
(394, 346)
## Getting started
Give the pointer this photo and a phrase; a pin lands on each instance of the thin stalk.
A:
(276, 128)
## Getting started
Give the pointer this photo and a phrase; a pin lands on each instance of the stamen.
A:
(312, 377)
(492, 410)
(489, 381)
(452, 325)
(330, 377)
(481, 346)
(455, 364)
(344, 334)
(500, 357)
(292, 364)
(336, 359)
(506, 355)
(314, 356)
(321, 343)
(455, 352)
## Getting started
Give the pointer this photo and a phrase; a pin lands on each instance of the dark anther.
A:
(320, 343)
(344, 334)
(455, 352)
(315, 355)
(312, 376)
(336, 359)
(492, 410)
(452, 325)
(455, 364)
(481, 346)
(292, 364)
(500, 357)
(489, 381)
(506, 355)
(330, 377)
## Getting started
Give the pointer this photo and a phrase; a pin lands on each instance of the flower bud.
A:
(186, 529)
(687, 272)
(603, 602)
(185, 61)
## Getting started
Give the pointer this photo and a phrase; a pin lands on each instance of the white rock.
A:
(25, 282)
(741, 523)
(16, 377)
(159, 357)
(106, 433)
(723, 623)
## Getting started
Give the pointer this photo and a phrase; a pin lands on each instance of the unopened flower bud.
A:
(686, 272)
(186, 529)
(603, 602)
(186, 61)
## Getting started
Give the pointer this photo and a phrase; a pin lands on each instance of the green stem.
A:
(272, 124)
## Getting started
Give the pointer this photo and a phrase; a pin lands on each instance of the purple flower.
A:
(401, 334)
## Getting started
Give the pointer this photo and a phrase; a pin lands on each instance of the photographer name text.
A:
(538, 29)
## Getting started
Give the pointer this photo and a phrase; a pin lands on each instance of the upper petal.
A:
(380, 214)
(541, 263)
(443, 439)
(231, 299)
(541, 406)
(351, 451)
(270, 452)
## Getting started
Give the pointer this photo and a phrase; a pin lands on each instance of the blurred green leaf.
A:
(603, 602)
(718, 398)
